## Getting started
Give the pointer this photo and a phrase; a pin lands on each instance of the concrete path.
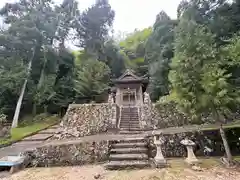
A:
(40, 138)
(28, 143)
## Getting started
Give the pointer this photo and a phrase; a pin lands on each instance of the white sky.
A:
(132, 14)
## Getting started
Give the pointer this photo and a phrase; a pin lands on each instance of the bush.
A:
(40, 117)
(27, 120)
(3, 119)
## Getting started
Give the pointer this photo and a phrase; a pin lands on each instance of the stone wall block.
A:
(87, 119)
(70, 154)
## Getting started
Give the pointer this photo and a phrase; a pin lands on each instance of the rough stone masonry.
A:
(87, 119)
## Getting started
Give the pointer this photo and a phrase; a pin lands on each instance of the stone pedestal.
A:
(191, 158)
(114, 116)
(159, 159)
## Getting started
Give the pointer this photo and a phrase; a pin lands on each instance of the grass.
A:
(237, 158)
(26, 130)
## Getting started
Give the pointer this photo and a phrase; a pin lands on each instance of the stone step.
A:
(129, 124)
(38, 137)
(129, 128)
(129, 150)
(129, 110)
(129, 121)
(115, 165)
(129, 114)
(130, 132)
(124, 157)
(48, 131)
(54, 127)
(129, 145)
(141, 139)
(132, 117)
(126, 112)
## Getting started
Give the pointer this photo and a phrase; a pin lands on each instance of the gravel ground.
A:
(91, 172)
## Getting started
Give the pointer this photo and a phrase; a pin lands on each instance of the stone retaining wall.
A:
(87, 119)
(80, 152)
(167, 115)
(68, 154)
(210, 139)
(162, 116)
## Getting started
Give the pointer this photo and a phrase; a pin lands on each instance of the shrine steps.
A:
(129, 119)
(129, 150)
(118, 165)
(128, 154)
(129, 131)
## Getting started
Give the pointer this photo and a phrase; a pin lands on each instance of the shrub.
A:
(40, 117)
(3, 119)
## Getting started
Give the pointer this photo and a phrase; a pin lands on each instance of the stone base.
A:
(160, 163)
(192, 161)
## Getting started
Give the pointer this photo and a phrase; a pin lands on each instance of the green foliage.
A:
(3, 119)
(29, 128)
(134, 40)
(92, 78)
(93, 27)
(33, 49)
(133, 51)
(203, 52)
(159, 52)
(114, 58)
(199, 81)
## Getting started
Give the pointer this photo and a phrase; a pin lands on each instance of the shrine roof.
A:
(129, 77)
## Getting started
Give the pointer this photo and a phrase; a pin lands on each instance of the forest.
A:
(193, 60)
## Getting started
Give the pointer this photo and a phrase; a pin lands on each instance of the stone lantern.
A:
(191, 158)
(159, 159)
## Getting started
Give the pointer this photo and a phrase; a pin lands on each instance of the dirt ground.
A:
(98, 172)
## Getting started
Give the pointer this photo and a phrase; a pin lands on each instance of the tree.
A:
(64, 92)
(93, 27)
(92, 78)
(159, 52)
(11, 76)
(199, 79)
(133, 48)
(221, 16)
(114, 58)
(31, 23)
(33, 41)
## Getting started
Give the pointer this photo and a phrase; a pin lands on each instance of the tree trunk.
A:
(220, 118)
(34, 109)
(42, 75)
(226, 145)
(45, 109)
(19, 103)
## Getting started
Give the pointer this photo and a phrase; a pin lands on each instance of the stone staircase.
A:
(127, 154)
(129, 123)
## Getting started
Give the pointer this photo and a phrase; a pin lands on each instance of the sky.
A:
(131, 14)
